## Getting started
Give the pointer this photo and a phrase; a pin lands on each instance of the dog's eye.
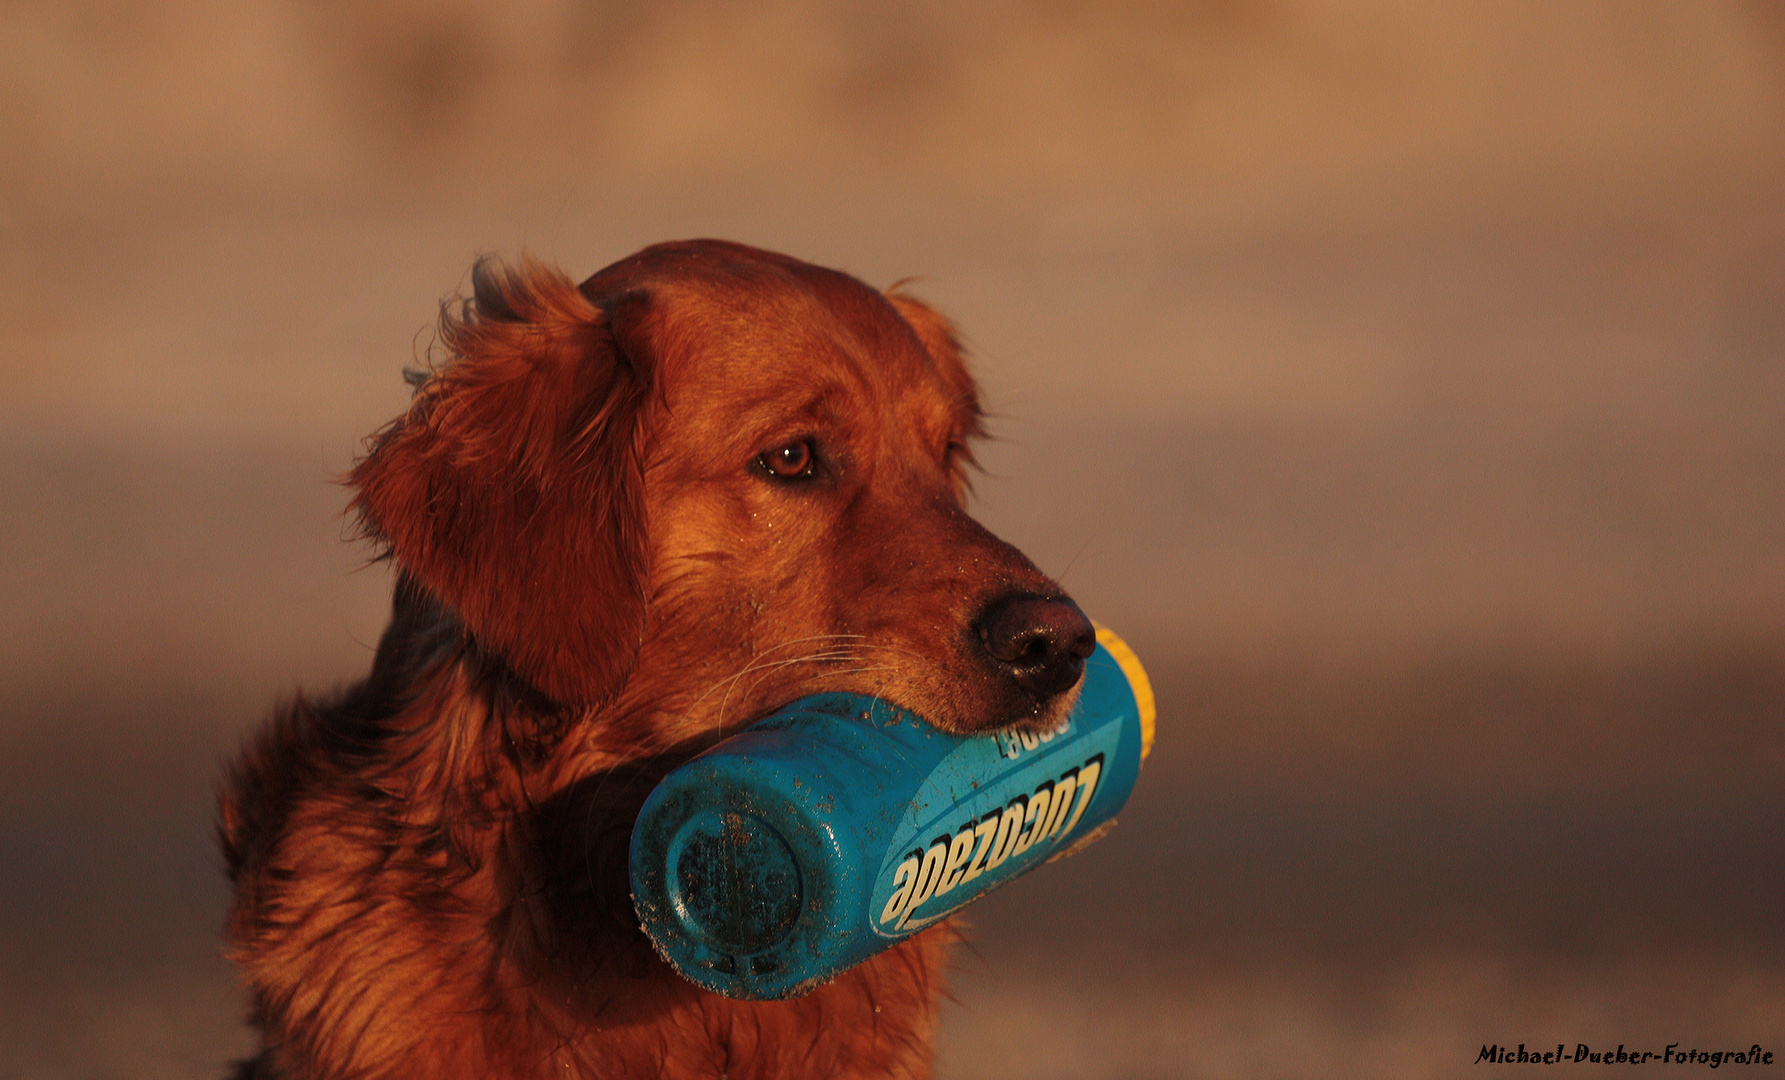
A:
(790, 462)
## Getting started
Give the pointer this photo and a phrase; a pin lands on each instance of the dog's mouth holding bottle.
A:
(842, 824)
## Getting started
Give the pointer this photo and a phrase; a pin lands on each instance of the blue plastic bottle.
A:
(841, 824)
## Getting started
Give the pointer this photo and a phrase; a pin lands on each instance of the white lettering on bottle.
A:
(1035, 817)
(1087, 786)
(903, 879)
(928, 876)
(1061, 802)
(1010, 823)
(958, 850)
(986, 830)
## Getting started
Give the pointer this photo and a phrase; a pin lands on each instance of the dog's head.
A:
(707, 481)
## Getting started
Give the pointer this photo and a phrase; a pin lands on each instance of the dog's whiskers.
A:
(760, 658)
(847, 671)
(768, 668)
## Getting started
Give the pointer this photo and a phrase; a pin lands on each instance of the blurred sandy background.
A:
(1406, 381)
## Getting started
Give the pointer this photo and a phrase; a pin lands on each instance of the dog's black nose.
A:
(1040, 642)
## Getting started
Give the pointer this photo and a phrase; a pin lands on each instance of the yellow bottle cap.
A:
(1137, 681)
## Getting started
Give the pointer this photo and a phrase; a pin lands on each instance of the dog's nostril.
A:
(1040, 642)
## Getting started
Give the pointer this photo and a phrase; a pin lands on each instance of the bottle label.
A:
(996, 806)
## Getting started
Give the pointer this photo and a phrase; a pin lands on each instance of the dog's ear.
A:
(513, 487)
(943, 342)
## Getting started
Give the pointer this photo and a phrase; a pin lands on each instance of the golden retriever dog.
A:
(628, 518)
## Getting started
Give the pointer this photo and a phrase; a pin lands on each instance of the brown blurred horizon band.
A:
(1405, 383)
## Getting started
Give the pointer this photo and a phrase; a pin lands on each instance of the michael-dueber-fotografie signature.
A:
(1495, 1054)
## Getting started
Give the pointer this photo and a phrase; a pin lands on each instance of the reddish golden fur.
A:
(597, 579)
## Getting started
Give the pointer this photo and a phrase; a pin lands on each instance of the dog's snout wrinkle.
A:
(1039, 642)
